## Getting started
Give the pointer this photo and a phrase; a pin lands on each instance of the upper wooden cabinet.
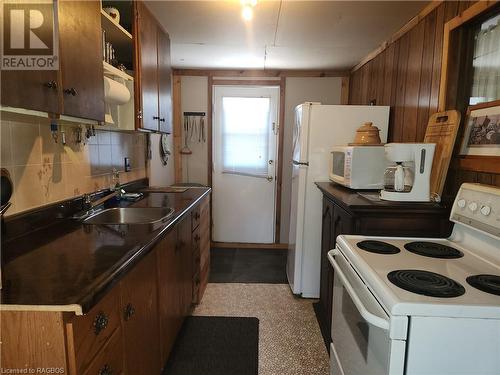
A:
(76, 89)
(80, 51)
(153, 75)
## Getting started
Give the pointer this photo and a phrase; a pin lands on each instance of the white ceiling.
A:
(282, 34)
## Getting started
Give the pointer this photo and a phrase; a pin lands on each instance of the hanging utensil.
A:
(202, 125)
(185, 150)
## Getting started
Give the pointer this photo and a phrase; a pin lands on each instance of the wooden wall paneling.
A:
(436, 64)
(412, 85)
(373, 72)
(279, 173)
(177, 118)
(423, 114)
(397, 130)
(380, 78)
(344, 94)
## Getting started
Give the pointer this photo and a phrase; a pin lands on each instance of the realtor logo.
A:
(29, 37)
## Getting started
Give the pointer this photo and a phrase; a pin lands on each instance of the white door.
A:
(244, 163)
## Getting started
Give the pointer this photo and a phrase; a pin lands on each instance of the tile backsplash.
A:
(45, 172)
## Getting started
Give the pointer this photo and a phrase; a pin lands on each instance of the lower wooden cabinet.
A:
(131, 330)
(139, 311)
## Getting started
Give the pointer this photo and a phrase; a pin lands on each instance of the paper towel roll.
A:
(115, 92)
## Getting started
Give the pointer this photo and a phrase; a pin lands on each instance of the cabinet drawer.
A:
(110, 358)
(89, 333)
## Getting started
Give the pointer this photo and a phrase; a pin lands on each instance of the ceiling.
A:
(282, 34)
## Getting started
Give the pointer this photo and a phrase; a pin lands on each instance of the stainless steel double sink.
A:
(130, 215)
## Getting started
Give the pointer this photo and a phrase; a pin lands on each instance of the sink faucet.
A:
(89, 204)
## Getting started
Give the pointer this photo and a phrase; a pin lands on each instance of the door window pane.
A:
(245, 135)
(486, 62)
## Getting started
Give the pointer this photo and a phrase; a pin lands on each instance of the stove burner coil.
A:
(378, 247)
(426, 283)
(486, 283)
(433, 250)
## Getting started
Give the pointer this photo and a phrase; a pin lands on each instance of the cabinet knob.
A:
(139, 115)
(162, 119)
(105, 370)
(196, 238)
(100, 322)
(51, 85)
(197, 215)
(156, 118)
(129, 311)
(71, 91)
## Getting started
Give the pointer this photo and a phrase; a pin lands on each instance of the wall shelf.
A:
(120, 38)
(110, 70)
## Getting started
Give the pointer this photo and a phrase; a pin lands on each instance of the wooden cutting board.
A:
(442, 130)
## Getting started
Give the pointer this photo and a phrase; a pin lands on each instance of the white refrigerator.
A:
(316, 130)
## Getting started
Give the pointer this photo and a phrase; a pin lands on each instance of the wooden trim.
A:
(247, 82)
(279, 171)
(257, 73)
(209, 137)
(177, 114)
(484, 164)
(468, 14)
(494, 103)
(398, 34)
(240, 245)
(344, 93)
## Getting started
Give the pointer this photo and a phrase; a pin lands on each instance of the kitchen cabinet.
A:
(139, 310)
(80, 52)
(76, 89)
(153, 78)
(346, 212)
(201, 248)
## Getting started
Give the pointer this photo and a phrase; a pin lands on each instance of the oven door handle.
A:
(368, 316)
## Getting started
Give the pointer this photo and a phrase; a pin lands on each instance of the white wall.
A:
(159, 174)
(326, 90)
(194, 98)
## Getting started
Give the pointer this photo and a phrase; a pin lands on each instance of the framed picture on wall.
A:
(482, 130)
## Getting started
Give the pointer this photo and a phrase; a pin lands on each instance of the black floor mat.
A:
(210, 345)
(248, 266)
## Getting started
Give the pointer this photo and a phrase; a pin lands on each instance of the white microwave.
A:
(358, 167)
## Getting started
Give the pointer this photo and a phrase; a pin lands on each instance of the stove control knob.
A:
(461, 203)
(485, 210)
(473, 206)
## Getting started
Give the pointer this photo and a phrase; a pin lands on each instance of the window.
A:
(486, 62)
(245, 135)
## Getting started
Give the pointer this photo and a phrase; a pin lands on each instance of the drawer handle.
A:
(129, 311)
(105, 370)
(197, 215)
(71, 91)
(100, 322)
(51, 85)
(196, 238)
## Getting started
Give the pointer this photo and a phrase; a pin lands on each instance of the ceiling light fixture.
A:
(247, 10)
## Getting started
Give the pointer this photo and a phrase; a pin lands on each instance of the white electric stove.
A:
(418, 306)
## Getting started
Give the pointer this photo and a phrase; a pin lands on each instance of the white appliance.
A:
(358, 167)
(317, 129)
(410, 178)
(418, 306)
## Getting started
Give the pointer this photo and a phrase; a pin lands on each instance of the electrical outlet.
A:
(128, 167)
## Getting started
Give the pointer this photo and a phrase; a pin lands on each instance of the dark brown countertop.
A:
(69, 266)
(350, 200)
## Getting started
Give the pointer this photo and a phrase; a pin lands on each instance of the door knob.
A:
(269, 178)
(271, 162)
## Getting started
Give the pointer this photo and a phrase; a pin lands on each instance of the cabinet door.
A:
(146, 32)
(168, 293)
(139, 309)
(325, 289)
(185, 252)
(164, 82)
(80, 42)
(31, 89)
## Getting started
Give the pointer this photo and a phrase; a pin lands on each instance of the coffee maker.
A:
(407, 177)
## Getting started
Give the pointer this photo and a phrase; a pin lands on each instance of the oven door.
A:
(361, 343)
